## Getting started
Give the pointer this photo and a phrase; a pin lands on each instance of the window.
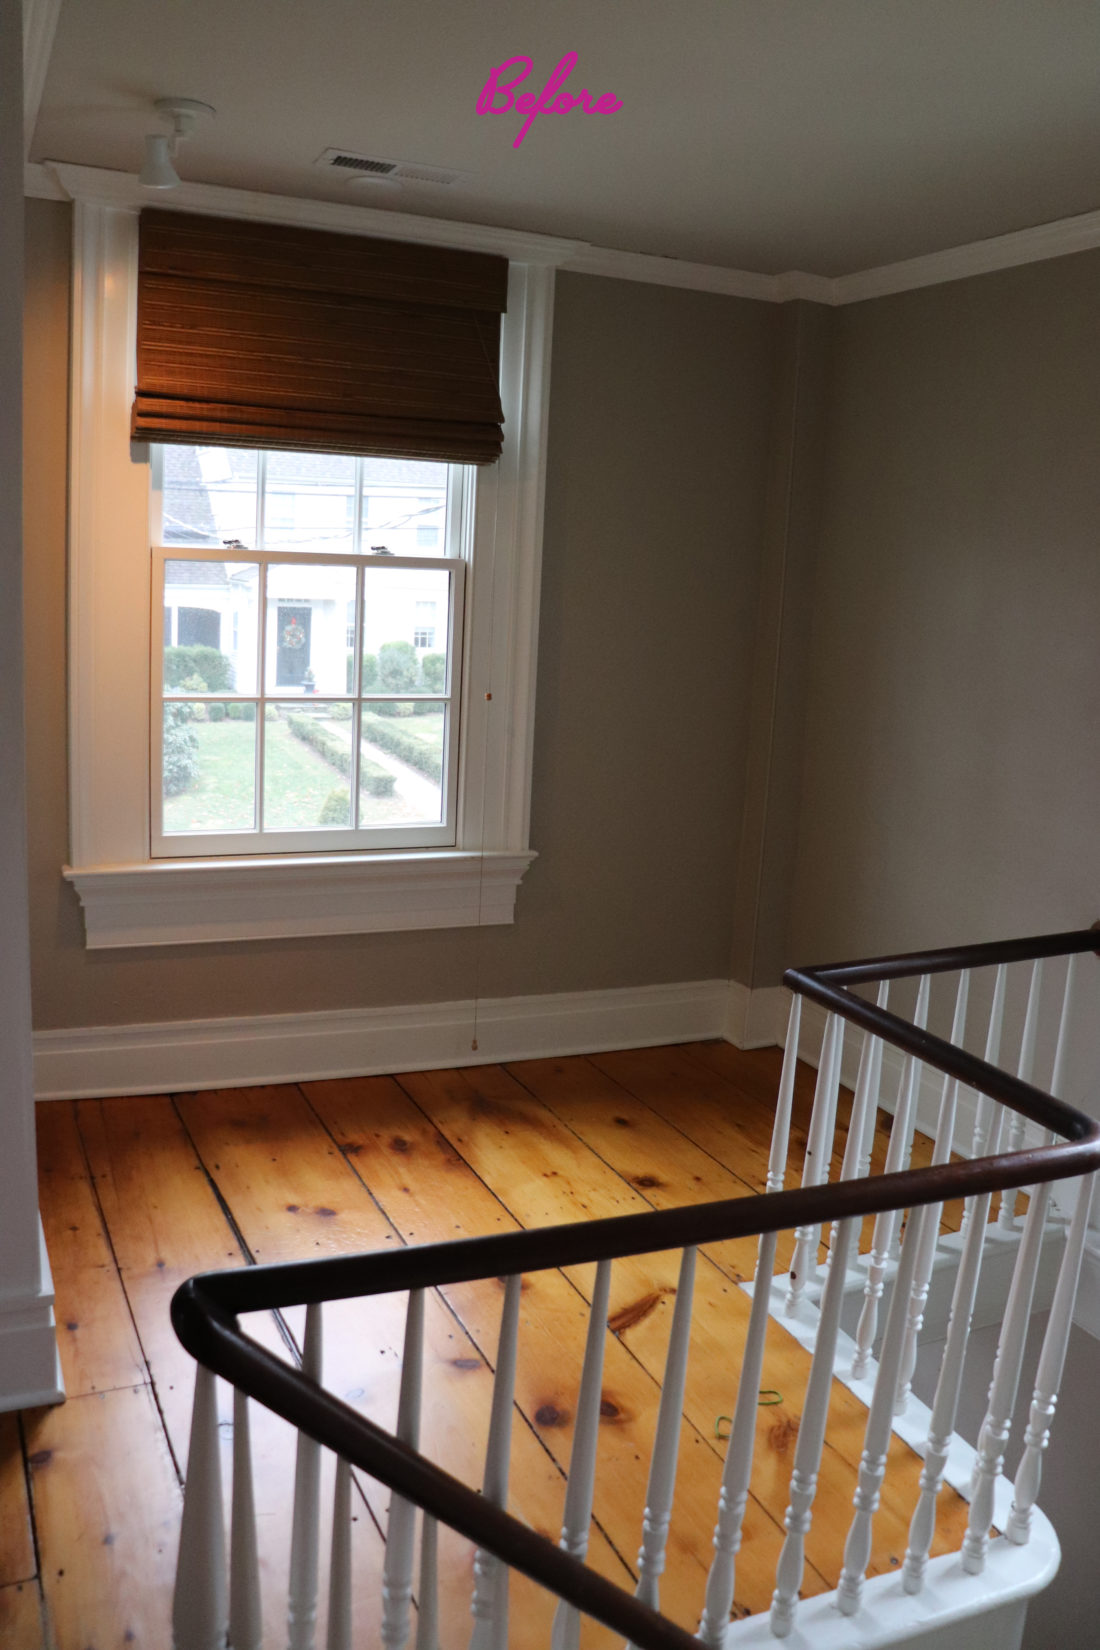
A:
(293, 714)
(185, 887)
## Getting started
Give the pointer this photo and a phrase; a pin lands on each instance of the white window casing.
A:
(128, 898)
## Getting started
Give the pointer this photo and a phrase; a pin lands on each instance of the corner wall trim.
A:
(85, 1063)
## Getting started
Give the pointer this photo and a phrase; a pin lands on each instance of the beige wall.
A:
(951, 787)
(655, 498)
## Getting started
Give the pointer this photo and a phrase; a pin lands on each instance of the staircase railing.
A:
(902, 1065)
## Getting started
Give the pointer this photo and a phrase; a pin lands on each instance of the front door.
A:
(292, 658)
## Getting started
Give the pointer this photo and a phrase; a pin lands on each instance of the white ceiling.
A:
(766, 135)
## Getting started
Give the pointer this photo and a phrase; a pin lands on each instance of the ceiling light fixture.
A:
(184, 113)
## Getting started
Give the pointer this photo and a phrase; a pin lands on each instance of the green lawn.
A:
(297, 780)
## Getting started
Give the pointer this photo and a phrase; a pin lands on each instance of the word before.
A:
(551, 101)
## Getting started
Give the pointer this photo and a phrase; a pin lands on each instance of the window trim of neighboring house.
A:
(130, 899)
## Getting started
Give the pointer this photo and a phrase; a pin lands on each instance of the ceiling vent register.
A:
(401, 171)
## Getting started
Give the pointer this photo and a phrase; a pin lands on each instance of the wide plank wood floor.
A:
(139, 1193)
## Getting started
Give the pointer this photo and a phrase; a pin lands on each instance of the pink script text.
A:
(551, 100)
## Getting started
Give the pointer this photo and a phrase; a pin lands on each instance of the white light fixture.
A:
(184, 113)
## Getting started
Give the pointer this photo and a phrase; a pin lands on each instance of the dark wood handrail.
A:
(204, 1310)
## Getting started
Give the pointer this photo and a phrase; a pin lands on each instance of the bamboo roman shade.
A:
(265, 335)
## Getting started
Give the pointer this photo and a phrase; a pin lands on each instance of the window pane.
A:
(307, 766)
(209, 766)
(309, 502)
(209, 496)
(210, 626)
(404, 507)
(401, 762)
(405, 624)
(307, 628)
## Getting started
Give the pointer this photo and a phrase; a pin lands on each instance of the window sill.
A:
(200, 901)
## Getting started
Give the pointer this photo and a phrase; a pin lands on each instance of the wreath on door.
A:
(294, 635)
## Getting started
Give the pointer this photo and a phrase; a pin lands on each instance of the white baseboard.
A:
(756, 1018)
(30, 1369)
(228, 1053)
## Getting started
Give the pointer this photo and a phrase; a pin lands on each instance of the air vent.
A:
(402, 171)
(359, 163)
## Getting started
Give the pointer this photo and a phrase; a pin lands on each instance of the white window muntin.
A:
(195, 844)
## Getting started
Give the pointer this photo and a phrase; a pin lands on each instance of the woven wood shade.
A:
(261, 335)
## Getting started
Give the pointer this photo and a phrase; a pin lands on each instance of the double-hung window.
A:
(300, 703)
(301, 671)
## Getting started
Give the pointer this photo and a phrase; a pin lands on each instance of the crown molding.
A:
(39, 183)
(39, 27)
(92, 184)
(1022, 246)
(58, 181)
(657, 271)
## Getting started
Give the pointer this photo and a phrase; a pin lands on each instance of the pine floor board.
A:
(140, 1193)
(107, 1506)
(21, 1624)
(99, 1349)
(17, 1562)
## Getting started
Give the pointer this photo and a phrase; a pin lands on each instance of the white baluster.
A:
(811, 1439)
(490, 1598)
(945, 1405)
(861, 1124)
(666, 1444)
(1048, 1377)
(245, 1618)
(305, 1529)
(427, 1620)
(887, 1222)
(397, 1568)
(781, 1128)
(872, 1097)
(872, 1466)
(819, 1151)
(1025, 1070)
(577, 1517)
(737, 1470)
(199, 1603)
(339, 1576)
(941, 1153)
(993, 1437)
(984, 1107)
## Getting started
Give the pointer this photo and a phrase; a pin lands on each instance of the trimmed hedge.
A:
(373, 778)
(404, 745)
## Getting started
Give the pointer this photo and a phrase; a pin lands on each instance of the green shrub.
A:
(237, 712)
(322, 740)
(192, 684)
(433, 672)
(213, 669)
(336, 808)
(216, 712)
(404, 745)
(339, 713)
(398, 667)
(180, 767)
(375, 779)
(370, 673)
